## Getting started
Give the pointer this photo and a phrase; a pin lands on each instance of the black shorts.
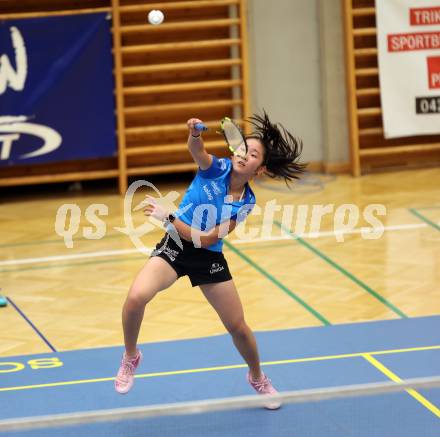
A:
(202, 266)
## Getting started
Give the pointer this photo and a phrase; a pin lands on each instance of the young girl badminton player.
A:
(220, 185)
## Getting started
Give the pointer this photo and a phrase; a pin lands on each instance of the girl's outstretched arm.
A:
(196, 147)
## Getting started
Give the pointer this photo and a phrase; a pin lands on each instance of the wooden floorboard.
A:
(76, 303)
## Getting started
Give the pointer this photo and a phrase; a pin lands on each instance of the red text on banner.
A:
(434, 72)
(424, 16)
(404, 42)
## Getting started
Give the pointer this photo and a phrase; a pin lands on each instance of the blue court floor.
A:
(210, 367)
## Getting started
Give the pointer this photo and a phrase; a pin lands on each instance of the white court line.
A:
(147, 252)
(329, 233)
(70, 257)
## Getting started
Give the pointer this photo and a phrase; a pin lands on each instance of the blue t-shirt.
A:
(206, 202)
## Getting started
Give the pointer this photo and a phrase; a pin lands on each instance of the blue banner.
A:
(56, 89)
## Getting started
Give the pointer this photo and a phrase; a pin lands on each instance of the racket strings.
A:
(234, 136)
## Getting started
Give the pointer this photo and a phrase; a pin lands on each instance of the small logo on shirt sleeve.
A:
(243, 212)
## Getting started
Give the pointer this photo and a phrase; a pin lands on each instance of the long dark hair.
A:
(281, 149)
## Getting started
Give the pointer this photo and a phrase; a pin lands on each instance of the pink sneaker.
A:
(125, 377)
(265, 387)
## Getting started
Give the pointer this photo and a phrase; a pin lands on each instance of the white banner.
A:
(408, 39)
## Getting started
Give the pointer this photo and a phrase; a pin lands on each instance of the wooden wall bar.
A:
(163, 75)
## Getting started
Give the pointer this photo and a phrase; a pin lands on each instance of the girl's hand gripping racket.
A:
(200, 127)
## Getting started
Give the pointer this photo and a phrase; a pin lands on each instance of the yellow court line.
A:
(112, 378)
(355, 354)
(218, 368)
(416, 395)
(411, 349)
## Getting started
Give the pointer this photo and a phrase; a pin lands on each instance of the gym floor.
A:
(309, 297)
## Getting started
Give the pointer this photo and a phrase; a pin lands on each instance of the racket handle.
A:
(200, 126)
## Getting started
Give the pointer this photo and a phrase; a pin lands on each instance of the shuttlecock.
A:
(155, 17)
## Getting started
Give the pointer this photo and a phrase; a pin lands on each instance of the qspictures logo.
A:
(68, 218)
(274, 220)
